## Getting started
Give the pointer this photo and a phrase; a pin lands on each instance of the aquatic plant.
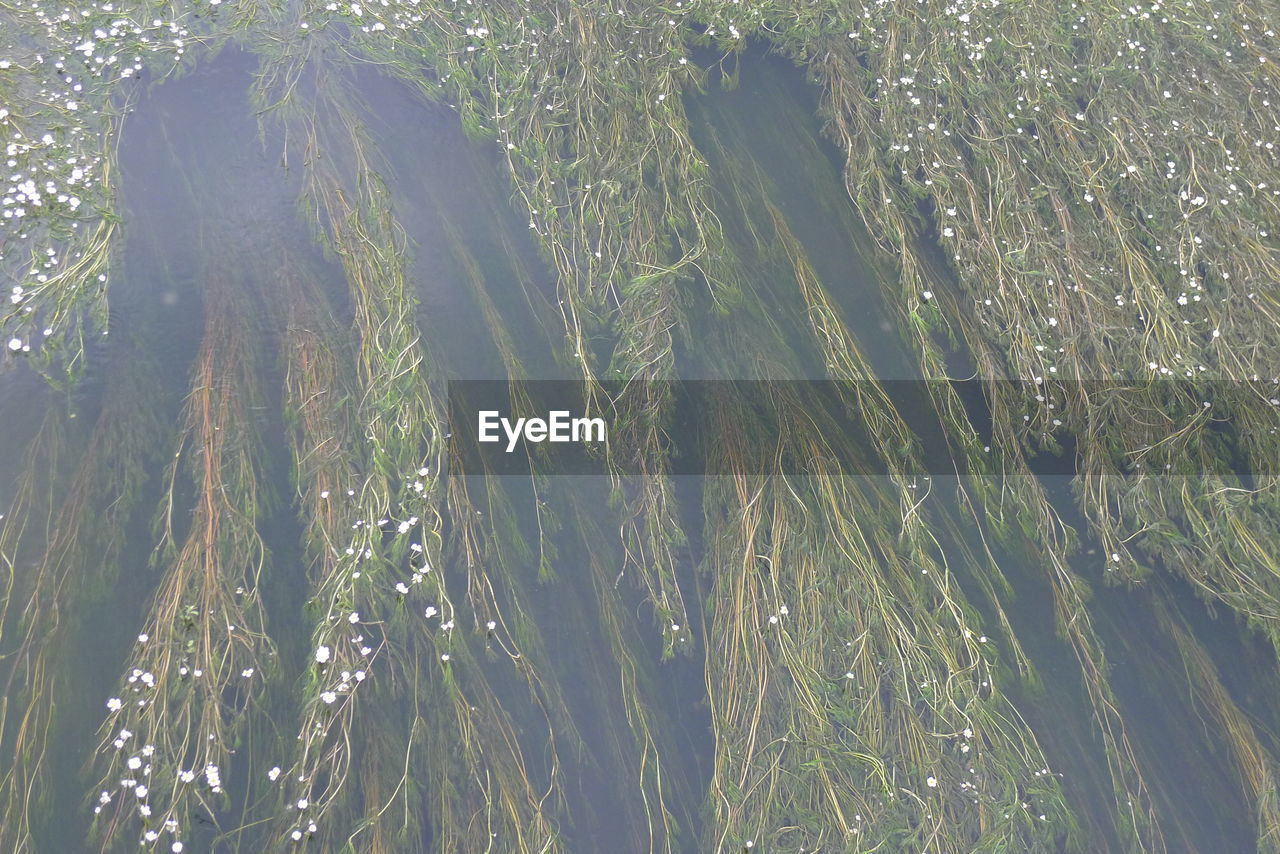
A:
(1073, 205)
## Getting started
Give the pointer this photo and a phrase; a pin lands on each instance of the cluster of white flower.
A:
(60, 68)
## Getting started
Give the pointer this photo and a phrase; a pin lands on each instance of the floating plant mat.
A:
(306, 634)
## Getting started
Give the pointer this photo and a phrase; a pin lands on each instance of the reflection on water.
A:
(558, 670)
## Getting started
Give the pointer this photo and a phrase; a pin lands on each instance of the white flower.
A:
(302, 803)
(931, 781)
(15, 344)
(322, 654)
(431, 611)
(176, 848)
(353, 617)
(134, 763)
(273, 773)
(114, 704)
(186, 776)
(213, 777)
(328, 696)
(402, 588)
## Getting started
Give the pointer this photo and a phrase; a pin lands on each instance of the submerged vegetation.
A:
(305, 632)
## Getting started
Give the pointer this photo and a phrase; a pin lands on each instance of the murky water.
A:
(210, 192)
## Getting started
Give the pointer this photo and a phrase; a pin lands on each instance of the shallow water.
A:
(206, 194)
